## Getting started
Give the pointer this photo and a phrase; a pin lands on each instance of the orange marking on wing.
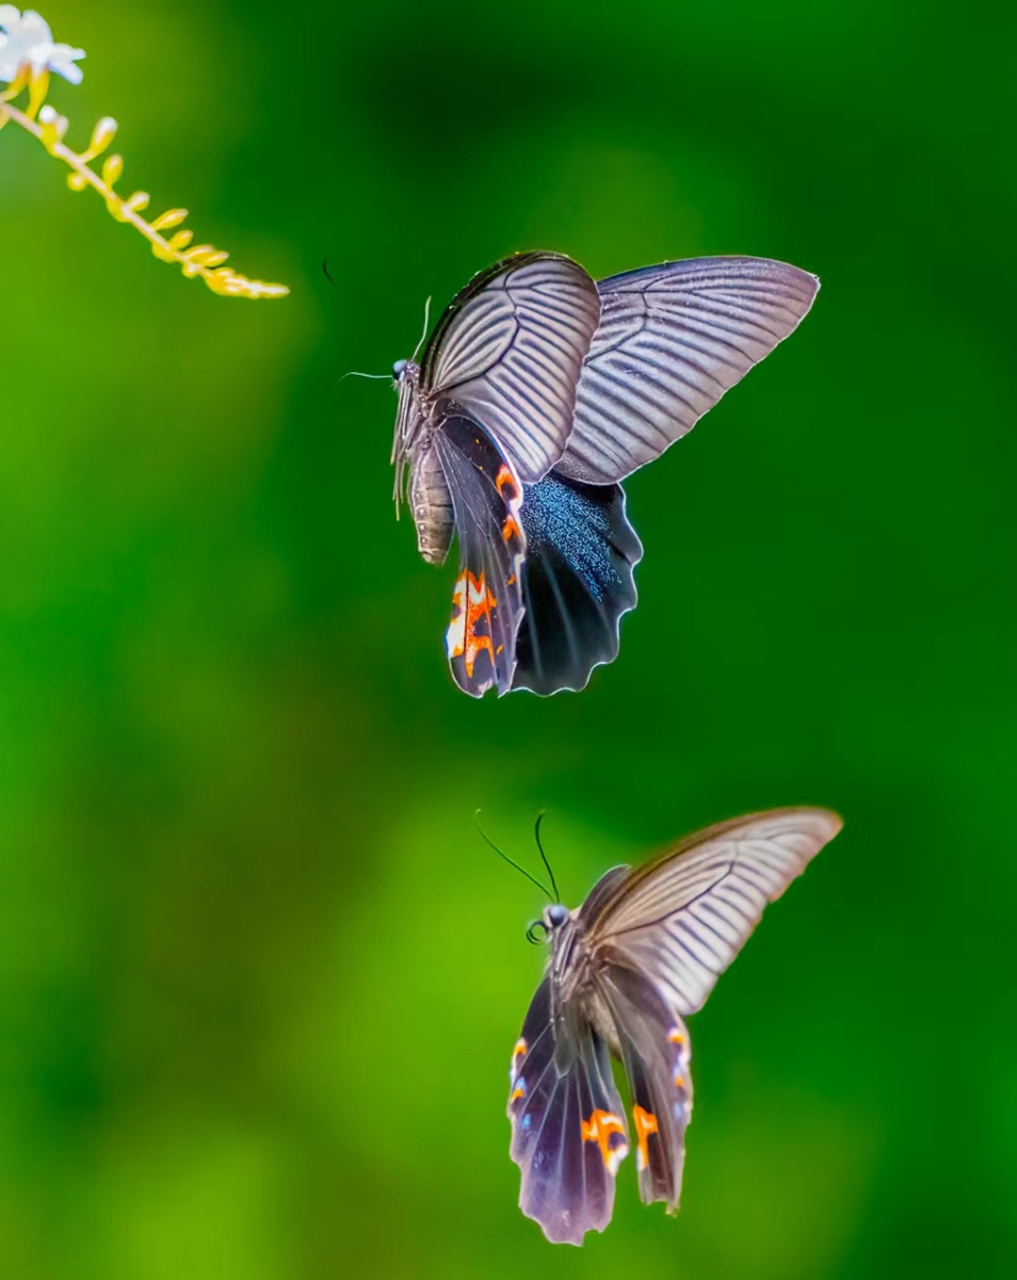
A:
(472, 600)
(517, 1093)
(679, 1082)
(455, 636)
(511, 580)
(479, 603)
(675, 1036)
(510, 529)
(646, 1123)
(599, 1128)
(520, 1047)
(506, 480)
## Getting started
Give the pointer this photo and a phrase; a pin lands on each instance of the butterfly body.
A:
(418, 468)
(625, 969)
(538, 392)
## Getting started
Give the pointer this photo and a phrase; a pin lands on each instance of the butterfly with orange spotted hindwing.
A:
(537, 393)
(626, 968)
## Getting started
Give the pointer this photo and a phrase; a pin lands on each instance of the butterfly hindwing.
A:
(672, 340)
(577, 581)
(568, 1127)
(654, 1045)
(487, 599)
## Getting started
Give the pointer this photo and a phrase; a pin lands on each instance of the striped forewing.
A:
(672, 340)
(509, 352)
(683, 918)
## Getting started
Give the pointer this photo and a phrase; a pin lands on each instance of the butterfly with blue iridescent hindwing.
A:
(626, 968)
(537, 393)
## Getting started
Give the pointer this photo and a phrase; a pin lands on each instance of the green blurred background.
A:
(259, 977)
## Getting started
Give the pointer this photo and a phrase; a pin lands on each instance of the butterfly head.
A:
(405, 371)
(555, 915)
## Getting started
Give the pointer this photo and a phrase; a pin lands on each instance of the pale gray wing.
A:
(681, 919)
(509, 351)
(672, 339)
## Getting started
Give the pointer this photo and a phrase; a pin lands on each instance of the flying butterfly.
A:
(625, 969)
(537, 393)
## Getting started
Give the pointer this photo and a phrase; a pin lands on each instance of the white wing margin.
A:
(683, 918)
(511, 353)
(672, 340)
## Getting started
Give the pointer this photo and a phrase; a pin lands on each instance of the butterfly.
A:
(537, 393)
(625, 970)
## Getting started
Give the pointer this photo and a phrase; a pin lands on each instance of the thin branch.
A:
(203, 260)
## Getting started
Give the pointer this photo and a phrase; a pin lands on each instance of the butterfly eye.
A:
(533, 936)
(397, 369)
(556, 915)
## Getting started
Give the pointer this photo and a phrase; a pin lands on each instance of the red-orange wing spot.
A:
(645, 1124)
(505, 483)
(472, 600)
(510, 529)
(599, 1128)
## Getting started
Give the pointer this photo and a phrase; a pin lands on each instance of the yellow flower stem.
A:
(221, 280)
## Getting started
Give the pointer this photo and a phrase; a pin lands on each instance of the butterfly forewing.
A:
(568, 1127)
(509, 351)
(672, 339)
(681, 919)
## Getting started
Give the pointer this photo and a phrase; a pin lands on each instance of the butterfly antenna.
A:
(328, 274)
(387, 377)
(427, 321)
(521, 870)
(543, 855)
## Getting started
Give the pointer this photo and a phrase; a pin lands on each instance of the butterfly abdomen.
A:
(431, 504)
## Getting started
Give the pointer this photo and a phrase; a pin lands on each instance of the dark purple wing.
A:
(568, 1126)
(671, 340)
(656, 1052)
(487, 600)
(577, 581)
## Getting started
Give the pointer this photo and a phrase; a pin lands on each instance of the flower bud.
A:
(52, 126)
(102, 135)
(112, 170)
(170, 219)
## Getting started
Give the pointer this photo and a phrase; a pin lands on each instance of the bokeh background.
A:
(259, 976)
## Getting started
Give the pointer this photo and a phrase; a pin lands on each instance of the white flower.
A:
(26, 40)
